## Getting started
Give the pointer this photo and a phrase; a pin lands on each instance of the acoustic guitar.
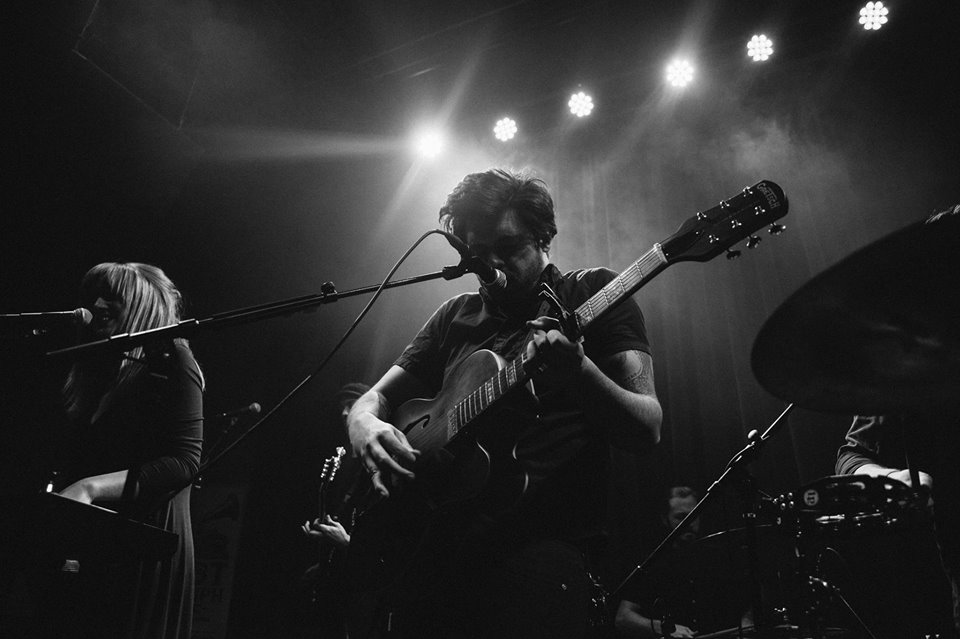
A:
(455, 419)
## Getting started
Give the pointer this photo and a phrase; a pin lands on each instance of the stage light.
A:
(873, 15)
(580, 104)
(760, 48)
(428, 143)
(505, 129)
(679, 73)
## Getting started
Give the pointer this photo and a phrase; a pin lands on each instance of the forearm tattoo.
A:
(640, 380)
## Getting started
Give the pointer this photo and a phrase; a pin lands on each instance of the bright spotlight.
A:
(873, 15)
(428, 143)
(505, 129)
(580, 104)
(760, 48)
(679, 73)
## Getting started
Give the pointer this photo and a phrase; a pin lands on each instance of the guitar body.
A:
(404, 549)
(459, 465)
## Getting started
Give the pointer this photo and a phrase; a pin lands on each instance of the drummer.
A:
(875, 446)
(880, 446)
(653, 614)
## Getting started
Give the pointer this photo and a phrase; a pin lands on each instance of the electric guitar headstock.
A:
(709, 233)
(331, 465)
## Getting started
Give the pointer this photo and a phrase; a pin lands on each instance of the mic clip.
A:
(453, 272)
(467, 265)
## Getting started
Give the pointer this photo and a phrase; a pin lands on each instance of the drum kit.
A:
(878, 333)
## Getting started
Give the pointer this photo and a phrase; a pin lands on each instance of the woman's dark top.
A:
(152, 426)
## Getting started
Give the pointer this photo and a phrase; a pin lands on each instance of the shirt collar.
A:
(523, 310)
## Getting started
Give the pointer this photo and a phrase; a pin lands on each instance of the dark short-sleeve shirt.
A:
(862, 445)
(564, 454)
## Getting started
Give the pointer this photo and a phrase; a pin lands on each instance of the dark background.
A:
(255, 150)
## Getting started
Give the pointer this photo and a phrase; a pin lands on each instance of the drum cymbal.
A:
(879, 332)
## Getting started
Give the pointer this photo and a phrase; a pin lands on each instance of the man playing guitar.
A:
(520, 563)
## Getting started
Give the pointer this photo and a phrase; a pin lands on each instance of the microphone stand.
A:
(736, 470)
(328, 293)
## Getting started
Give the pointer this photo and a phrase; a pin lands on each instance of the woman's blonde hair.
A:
(148, 298)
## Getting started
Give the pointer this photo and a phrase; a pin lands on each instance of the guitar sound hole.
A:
(422, 422)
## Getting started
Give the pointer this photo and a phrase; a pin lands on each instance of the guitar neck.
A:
(516, 374)
(621, 287)
(700, 238)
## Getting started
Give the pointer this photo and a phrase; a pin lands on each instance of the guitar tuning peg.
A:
(752, 241)
(732, 255)
(776, 229)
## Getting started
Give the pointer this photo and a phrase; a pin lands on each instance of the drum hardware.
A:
(875, 334)
(830, 507)
(825, 590)
(849, 506)
(599, 606)
(779, 631)
(753, 501)
(840, 507)
(814, 594)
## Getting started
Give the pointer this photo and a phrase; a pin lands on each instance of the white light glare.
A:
(679, 73)
(760, 48)
(873, 15)
(505, 129)
(580, 104)
(428, 143)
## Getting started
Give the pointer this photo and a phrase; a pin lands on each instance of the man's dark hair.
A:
(489, 194)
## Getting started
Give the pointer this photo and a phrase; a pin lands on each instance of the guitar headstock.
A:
(331, 465)
(709, 233)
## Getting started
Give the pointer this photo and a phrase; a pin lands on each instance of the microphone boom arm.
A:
(185, 328)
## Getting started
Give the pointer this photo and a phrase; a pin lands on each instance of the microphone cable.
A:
(323, 364)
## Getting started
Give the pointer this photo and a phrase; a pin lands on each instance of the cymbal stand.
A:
(814, 592)
(746, 486)
(825, 589)
(736, 471)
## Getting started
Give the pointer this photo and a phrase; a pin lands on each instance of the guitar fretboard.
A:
(515, 374)
(622, 286)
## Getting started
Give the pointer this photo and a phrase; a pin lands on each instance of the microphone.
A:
(78, 317)
(37, 324)
(251, 409)
(492, 278)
